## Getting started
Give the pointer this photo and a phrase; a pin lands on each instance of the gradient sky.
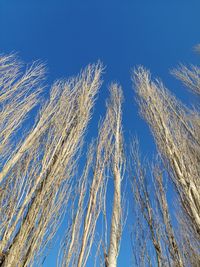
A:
(68, 35)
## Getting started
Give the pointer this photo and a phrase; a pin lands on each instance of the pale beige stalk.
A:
(117, 169)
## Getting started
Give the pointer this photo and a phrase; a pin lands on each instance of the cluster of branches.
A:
(42, 185)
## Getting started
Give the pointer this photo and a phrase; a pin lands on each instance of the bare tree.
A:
(46, 158)
(176, 134)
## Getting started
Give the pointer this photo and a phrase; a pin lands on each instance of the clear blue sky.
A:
(68, 35)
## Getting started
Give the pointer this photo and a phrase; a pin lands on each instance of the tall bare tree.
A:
(176, 131)
(46, 159)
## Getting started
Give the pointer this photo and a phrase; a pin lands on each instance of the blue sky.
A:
(68, 35)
